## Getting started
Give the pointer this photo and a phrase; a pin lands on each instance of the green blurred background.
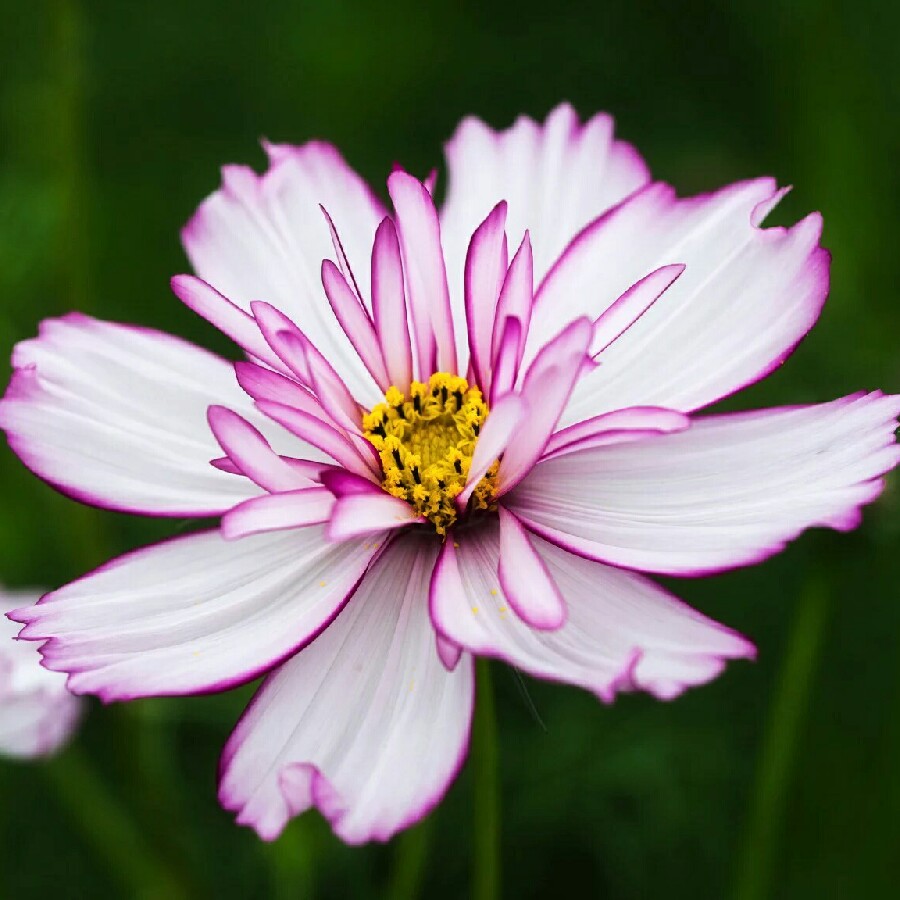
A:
(778, 780)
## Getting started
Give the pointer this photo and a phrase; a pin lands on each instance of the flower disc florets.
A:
(426, 440)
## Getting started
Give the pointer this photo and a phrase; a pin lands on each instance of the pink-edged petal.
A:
(366, 723)
(616, 320)
(327, 386)
(261, 384)
(622, 632)
(616, 427)
(546, 390)
(505, 371)
(449, 652)
(731, 490)
(330, 392)
(219, 311)
(115, 416)
(264, 238)
(320, 434)
(277, 512)
(556, 177)
(274, 324)
(485, 269)
(37, 714)
(525, 579)
(426, 276)
(194, 614)
(746, 297)
(358, 514)
(355, 321)
(389, 305)
(252, 453)
(516, 297)
(342, 483)
(309, 470)
(496, 433)
(343, 263)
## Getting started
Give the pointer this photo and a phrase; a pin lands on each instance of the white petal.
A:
(116, 416)
(355, 515)
(264, 238)
(37, 713)
(426, 278)
(277, 512)
(195, 614)
(728, 491)
(744, 300)
(366, 723)
(622, 631)
(556, 177)
(528, 586)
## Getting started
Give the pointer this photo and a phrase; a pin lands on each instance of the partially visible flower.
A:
(474, 441)
(37, 712)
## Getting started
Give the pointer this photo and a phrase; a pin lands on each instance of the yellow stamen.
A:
(426, 440)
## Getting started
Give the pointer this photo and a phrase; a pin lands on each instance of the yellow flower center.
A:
(426, 441)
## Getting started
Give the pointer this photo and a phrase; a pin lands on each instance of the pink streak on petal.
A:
(448, 652)
(389, 305)
(326, 384)
(276, 512)
(486, 262)
(615, 427)
(355, 321)
(272, 323)
(525, 579)
(546, 389)
(423, 261)
(219, 311)
(355, 515)
(251, 452)
(342, 484)
(261, 384)
(343, 262)
(625, 311)
(498, 430)
(506, 361)
(516, 297)
(316, 432)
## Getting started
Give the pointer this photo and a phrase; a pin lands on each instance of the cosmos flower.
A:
(465, 432)
(37, 713)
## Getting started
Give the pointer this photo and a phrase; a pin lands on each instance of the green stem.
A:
(779, 750)
(291, 861)
(413, 847)
(109, 829)
(486, 881)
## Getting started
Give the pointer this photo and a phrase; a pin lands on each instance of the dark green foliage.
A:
(114, 118)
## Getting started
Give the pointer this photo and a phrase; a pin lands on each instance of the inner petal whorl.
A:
(426, 440)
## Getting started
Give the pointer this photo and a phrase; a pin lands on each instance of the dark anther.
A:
(457, 464)
(417, 403)
(400, 411)
(415, 475)
(444, 394)
(380, 430)
(398, 459)
(441, 484)
(476, 428)
(458, 395)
